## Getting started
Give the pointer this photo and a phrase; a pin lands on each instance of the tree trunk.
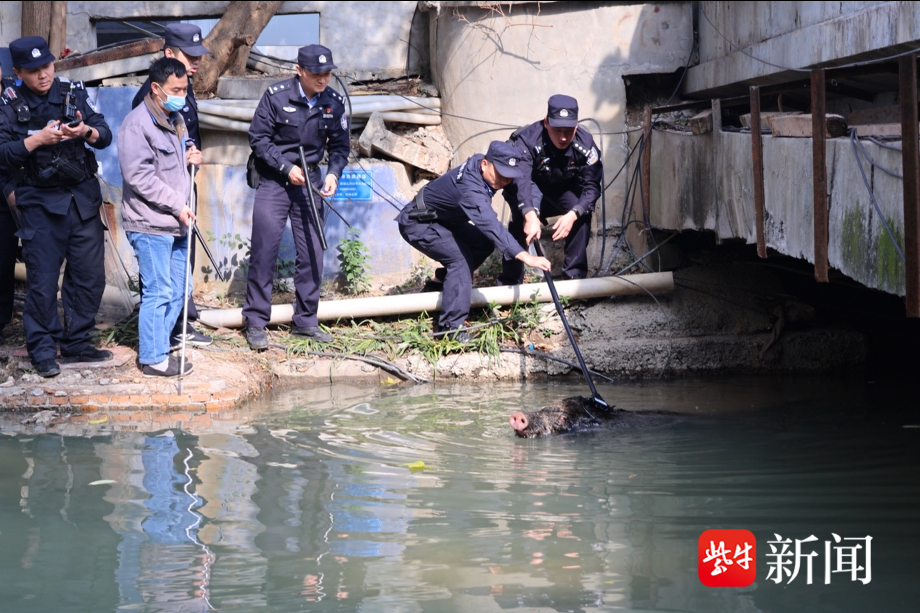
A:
(36, 19)
(57, 36)
(231, 39)
(48, 20)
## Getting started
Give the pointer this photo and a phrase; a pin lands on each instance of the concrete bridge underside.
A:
(706, 182)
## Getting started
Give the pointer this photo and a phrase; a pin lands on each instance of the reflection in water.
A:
(420, 499)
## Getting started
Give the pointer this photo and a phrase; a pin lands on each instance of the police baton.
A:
(207, 252)
(317, 220)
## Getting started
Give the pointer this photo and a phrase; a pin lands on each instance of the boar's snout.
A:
(518, 421)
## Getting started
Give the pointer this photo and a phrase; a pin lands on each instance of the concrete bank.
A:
(723, 318)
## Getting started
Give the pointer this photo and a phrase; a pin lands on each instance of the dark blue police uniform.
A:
(60, 217)
(554, 183)
(8, 247)
(284, 121)
(456, 198)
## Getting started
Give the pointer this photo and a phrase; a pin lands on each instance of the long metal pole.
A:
(188, 274)
(565, 322)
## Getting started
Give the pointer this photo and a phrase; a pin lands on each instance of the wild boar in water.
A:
(560, 417)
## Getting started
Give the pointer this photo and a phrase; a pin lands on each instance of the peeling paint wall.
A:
(705, 182)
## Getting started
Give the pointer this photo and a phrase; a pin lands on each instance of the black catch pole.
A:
(207, 251)
(565, 322)
(317, 220)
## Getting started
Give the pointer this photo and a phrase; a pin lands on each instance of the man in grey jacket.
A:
(154, 153)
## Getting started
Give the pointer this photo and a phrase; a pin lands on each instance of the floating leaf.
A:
(414, 466)
(100, 420)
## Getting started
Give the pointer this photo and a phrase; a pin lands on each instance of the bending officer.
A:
(436, 223)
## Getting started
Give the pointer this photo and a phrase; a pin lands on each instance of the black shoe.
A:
(257, 338)
(192, 337)
(312, 332)
(90, 354)
(172, 369)
(458, 334)
(47, 368)
(432, 286)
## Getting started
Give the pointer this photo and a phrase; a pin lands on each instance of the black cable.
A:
(686, 68)
(540, 354)
(873, 162)
(878, 209)
(379, 362)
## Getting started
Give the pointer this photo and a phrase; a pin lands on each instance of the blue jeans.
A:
(161, 262)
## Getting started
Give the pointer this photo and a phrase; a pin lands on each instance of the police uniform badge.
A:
(344, 123)
(593, 156)
(289, 109)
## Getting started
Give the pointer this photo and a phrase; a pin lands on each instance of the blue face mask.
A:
(172, 103)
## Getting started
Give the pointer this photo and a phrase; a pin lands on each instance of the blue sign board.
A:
(355, 185)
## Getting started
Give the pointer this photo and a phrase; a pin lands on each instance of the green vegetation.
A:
(354, 257)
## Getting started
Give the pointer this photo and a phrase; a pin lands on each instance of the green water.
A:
(313, 504)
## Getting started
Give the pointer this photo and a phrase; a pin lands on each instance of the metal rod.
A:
(757, 157)
(188, 273)
(907, 78)
(317, 220)
(207, 252)
(819, 172)
(646, 163)
(328, 203)
(565, 322)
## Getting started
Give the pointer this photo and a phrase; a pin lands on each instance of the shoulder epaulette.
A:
(336, 95)
(591, 154)
(279, 87)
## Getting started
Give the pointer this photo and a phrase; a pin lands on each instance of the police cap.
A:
(316, 59)
(187, 38)
(506, 159)
(562, 111)
(30, 52)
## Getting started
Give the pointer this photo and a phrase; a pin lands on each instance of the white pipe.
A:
(416, 118)
(380, 306)
(220, 122)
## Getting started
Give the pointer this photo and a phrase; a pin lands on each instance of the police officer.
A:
(183, 42)
(436, 223)
(562, 173)
(8, 243)
(298, 112)
(47, 127)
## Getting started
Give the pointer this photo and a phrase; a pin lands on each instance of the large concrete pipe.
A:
(379, 306)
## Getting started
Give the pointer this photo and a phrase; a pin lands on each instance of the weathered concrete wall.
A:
(794, 35)
(10, 22)
(379, 50)
(496, 67)
(706, 183)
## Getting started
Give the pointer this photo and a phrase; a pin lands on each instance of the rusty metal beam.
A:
(819, 172)
(757, 157)
(140, 47)
(907, 78)
(646, 166)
